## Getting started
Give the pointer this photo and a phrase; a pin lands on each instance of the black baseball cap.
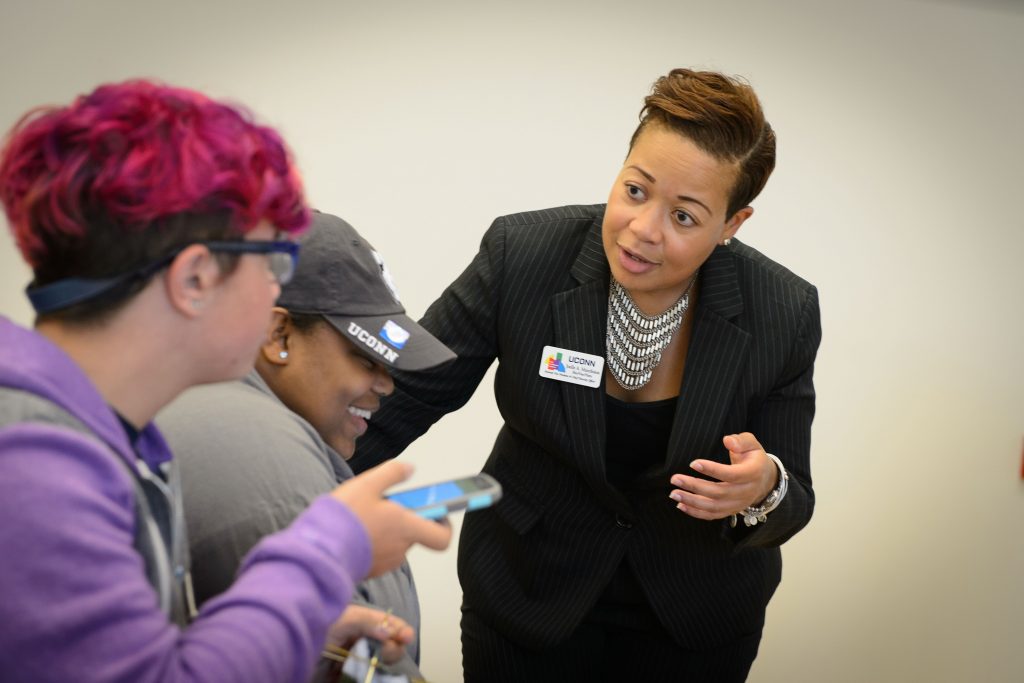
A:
(341, 277)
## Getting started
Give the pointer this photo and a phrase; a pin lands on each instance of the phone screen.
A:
(436, 493)
(434, 501)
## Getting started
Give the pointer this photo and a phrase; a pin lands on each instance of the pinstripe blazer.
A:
(535, 564)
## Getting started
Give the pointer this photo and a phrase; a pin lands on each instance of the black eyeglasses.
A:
(282, 257)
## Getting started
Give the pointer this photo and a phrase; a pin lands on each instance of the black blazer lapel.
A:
(579, 317)
(713, 365)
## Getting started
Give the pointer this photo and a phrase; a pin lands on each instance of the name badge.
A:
(571, 366)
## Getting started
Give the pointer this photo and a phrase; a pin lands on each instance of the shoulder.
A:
(549, 225)
(772, 293)
(20, 406)
(57, 473)
(233, 414)
(220, 399)
(46, 443)
(239, 447)
(756, 268)
(547, 238)
(564, 216)
(777, 301)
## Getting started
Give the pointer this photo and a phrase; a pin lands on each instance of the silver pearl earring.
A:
(283, 355)
(727, 241)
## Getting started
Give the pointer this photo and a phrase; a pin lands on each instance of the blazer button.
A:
(622, 522)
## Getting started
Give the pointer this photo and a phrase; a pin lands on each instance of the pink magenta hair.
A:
(132, 153)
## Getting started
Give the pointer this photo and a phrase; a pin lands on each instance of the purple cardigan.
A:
(74, 600)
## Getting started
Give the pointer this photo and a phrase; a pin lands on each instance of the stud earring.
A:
(727, 241)
(283, 355)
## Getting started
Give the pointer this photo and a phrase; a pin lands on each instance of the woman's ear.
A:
(732, 225)
(190, 279)
(275, 347)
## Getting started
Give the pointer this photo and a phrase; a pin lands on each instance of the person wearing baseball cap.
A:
(255, 452)
(343, 280)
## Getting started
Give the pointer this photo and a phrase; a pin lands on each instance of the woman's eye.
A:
(684, 218)
(634, 192)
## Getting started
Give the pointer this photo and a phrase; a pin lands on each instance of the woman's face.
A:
(665, 214)
(332, 384)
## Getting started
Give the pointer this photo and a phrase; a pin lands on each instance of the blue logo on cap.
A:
(394, 334)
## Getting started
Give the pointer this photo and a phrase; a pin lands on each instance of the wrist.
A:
(759, 513)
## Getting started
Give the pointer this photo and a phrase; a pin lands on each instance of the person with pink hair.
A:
(156, 223)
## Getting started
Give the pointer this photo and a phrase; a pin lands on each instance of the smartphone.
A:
(438, 500)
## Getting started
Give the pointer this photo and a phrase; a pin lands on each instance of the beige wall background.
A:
(897, 192)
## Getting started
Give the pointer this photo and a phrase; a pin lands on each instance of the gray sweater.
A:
(249, 466)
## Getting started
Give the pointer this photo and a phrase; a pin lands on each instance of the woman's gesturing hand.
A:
(747, 480)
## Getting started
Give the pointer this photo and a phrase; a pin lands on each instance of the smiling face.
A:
(665, 214)
(328, 381)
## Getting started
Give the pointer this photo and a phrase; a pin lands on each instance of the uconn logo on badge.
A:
(574, 367)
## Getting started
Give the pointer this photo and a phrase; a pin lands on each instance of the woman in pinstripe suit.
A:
(649, 364)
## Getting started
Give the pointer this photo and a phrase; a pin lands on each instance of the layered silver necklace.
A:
(635, 340)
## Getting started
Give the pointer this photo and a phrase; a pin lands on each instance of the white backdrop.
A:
(897, 192)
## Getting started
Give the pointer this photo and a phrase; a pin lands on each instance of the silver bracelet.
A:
(759, 513)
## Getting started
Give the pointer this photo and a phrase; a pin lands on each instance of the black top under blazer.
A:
(535, 564)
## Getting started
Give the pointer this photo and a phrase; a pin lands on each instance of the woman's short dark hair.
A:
(723, 117)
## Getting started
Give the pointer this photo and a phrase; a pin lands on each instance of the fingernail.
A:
(697, 466)
(676, 496)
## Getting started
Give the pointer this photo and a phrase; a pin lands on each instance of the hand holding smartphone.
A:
(436, 501)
